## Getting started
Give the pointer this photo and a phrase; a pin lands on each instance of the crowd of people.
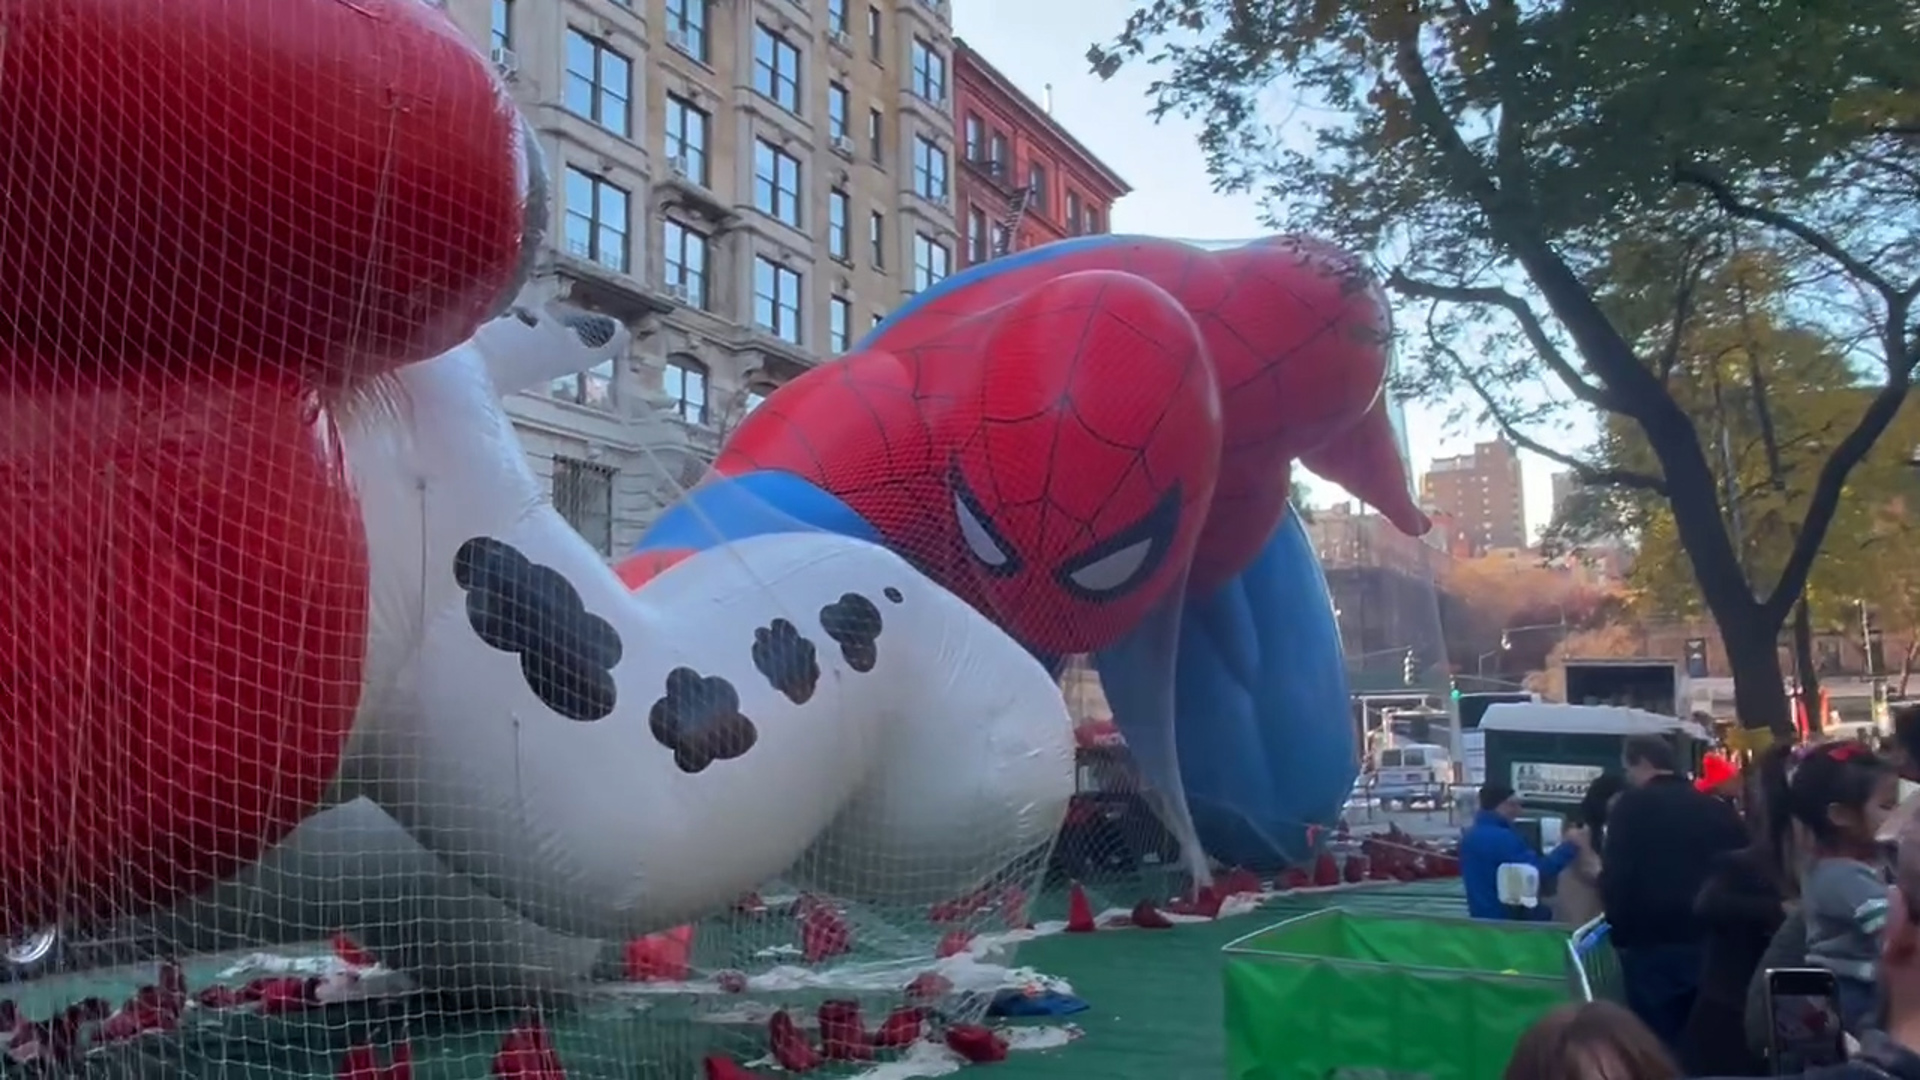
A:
(1808, 859)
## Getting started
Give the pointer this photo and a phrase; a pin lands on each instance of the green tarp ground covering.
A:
(1342, 993)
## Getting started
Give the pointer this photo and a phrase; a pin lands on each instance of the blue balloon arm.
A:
(1255, 696)
(1137, 676)
(723, 509)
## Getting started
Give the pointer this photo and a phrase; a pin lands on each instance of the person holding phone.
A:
(1891, 1049)
(1843, 792)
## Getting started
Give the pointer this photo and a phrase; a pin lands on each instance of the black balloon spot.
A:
(567, 654)
(854, 623)
(699, 719)
(892, 594)
(787, 659)
(592, 330)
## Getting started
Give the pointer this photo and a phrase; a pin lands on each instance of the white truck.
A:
(1636, 682)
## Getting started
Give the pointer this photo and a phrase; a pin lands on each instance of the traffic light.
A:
(1409, 669)
(1453, 689)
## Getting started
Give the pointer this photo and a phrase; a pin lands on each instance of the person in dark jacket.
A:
(1663, 839)
(1491, 842)
(1742, 905)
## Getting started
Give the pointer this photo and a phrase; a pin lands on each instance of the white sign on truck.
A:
(1540, 781)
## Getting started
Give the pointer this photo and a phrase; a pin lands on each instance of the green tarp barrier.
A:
(1340, 995)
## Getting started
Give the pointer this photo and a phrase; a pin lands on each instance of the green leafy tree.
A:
(1302, 498)
(1549, 183)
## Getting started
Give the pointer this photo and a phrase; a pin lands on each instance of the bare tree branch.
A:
(1588, 473)
(1530, 325)
(1826, 245)
(1828, 489)
(1692, 269)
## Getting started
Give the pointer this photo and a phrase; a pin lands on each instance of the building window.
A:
(776, 299)
(929, 72)
(1093, 220)
(876, 136)
(1037, 184)
(839, 209)
(836, 16)
(686, 263)
(753, 400)
(932, 262)
(1075, 223)
(688, 127)
(776, 183)
(592, 387)
(837, 111)
(1002, 239)
(839, 325)
(929, 169)
(776, 69)
(997, 154)
(977, 241)
(976, 137)
(684, 384)
(875, 48)
(687, 27)
(596, 220)
(877, 238)
(878, 318)
(502, 27)
(599, 83)
(583, 494)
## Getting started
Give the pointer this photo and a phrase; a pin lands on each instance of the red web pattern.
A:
(1296, 341)
(1066, 417)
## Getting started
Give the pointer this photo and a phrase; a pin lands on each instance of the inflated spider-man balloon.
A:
(1092, 442)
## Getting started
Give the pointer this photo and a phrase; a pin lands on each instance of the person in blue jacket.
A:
(1492, 841)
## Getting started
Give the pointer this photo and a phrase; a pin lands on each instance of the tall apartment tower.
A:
(1025, 180)
(1566, 484)
(1482, 492)
(749, 185)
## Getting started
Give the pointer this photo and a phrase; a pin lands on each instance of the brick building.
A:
(1483, 493)
(1024, 180)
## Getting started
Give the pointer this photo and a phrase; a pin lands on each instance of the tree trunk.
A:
(1806, 670)
(1906, 664)
(1759, 686)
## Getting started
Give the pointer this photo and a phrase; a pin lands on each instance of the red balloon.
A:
(1050, 460)
(332, 187)
(183, 602)
(1085, 447)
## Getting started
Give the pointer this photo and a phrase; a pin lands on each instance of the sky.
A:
(1041, 44)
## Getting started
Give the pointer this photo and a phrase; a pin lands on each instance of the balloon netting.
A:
(332, 749)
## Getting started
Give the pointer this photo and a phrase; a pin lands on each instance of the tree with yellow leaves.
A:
(1554, 186)
(1771, 400)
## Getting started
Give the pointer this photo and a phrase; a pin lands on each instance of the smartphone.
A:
(1803, 1011)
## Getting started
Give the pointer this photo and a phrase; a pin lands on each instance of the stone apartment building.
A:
(749, 185)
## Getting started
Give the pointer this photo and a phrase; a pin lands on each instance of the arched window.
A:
(684, 382)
